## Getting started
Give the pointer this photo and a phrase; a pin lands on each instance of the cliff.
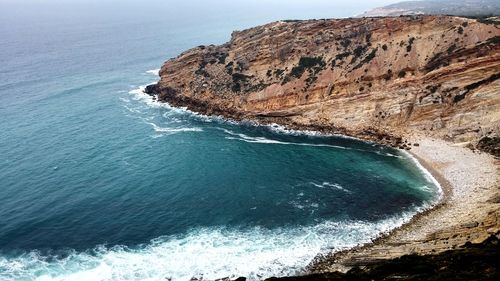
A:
(375, 78)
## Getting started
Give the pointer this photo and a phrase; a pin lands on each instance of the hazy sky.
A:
(152, 8)
(358, 2)
(339, 4)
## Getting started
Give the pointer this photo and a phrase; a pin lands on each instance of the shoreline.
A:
(432, 230)
(466, 212)
(446, 191)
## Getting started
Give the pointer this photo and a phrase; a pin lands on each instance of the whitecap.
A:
(246, 138)
(139, 94)
(255, 253)
(133, 110)
(155, 72)
(428, 176)
(173, 130)
(330, 186)
(425, 188)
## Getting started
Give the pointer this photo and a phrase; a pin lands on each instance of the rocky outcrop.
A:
(374, 78)
(469, 262)
(490, 145)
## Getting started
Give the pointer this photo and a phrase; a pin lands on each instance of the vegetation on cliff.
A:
(366, 77)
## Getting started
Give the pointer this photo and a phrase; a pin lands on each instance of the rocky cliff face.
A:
(375, 78)
(469, 262)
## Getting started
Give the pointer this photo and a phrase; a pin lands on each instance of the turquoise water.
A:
(98, 182)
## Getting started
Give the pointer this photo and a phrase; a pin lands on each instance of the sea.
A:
(100, 182)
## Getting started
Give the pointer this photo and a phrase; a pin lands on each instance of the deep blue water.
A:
(97, 182)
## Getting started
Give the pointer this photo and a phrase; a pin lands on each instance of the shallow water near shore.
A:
(98, 182)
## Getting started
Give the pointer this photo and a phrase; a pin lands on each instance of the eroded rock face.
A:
(477, 261)
(376, 78)
(490, 145)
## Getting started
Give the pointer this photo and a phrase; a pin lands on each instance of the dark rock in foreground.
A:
(471, 262)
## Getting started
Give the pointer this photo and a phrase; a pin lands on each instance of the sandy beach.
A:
(469, 210)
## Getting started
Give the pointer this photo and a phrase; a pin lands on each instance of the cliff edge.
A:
(375, 78)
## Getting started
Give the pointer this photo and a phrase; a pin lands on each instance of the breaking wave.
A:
(155, 72)
(256, 253)
(245, 138)
(333, 186)
(174, 130)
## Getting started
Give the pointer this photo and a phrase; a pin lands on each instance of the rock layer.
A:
(374, 78)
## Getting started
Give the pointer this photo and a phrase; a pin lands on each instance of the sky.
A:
(358, 2)
(13, 10)
(361, 5)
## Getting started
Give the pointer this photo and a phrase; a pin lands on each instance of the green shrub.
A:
(307, 63)
(451, 49)
(367, 59)
(345, 43)
(410, 44)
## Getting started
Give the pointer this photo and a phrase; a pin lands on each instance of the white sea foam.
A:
(389, 154)
(283, 130)
(155, 72)
(209, 253)
(428, 176)
(330, 186)
(133, 110)
(280, 129)
(426, 188)
(245, 138)
(173, 130)
(139, 94)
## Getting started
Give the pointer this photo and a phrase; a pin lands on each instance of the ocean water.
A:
(98, 182)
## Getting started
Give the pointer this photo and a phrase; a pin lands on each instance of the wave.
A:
(173, 130)
(212, 253)
(155, 72)
(255, 253)
(328, 185)
(245, 138)
(132, 110)
(139, 94)
(428, 176)
(249, 139)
